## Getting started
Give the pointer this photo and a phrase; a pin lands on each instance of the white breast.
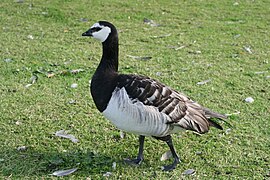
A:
(135, 117)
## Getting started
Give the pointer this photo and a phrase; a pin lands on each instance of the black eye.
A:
(95, 29)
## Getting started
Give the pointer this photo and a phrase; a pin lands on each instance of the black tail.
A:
(214, 124)
(210, 114)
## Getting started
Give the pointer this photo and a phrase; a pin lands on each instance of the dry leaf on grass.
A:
(114, 165)
(249, 100)
(235, 113)
(140, 57)
(227, 131)
(203, 82)
(162, 36)
(83, 19)
(64, 172)
(248, 49)
(122, 135)
(260, 72)
(167, 155)
(195, 52)
(76, 71)
(7, 60)
(33, 79)
(74, 85)
(150, 22)
(107, 174)
(22, 148)
(28, 85)
(30, 37)
(177, 47)
(19, 1)
(158, 73)
(189, 172)
(50, 74)
(237, 36)
(64, 134)
(72, 101)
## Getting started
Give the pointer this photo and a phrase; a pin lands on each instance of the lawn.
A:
(223, 44)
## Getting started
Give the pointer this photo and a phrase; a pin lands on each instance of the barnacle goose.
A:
(139, 104)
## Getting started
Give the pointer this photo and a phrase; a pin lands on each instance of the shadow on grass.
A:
(30, 162)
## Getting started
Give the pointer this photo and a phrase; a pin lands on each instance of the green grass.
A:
(219, 30)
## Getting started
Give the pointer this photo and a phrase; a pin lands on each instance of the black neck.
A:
(104, 80)
(109, 60)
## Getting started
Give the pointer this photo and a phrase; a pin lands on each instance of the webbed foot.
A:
(134, 162)
(171, 166)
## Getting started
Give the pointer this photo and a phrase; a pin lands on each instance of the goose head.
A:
(101, 31)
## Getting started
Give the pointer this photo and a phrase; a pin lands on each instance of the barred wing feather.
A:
(183, 112)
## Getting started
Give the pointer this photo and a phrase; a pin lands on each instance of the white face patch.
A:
(102, 34)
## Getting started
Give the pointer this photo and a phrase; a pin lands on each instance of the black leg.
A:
(175, 156)
(139, 158)
(168, 140)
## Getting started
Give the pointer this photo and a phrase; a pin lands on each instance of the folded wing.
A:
(183, 112)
